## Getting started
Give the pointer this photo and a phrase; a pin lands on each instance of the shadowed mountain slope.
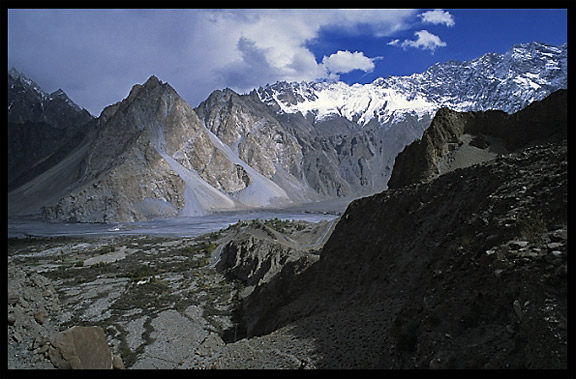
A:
(467, 270)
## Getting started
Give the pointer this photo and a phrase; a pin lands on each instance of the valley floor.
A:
(159, 300)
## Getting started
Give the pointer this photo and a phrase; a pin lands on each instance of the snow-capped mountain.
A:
(508, 82)
(152, 155)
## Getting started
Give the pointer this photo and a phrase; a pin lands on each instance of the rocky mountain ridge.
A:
(153, 156)
(507, 82)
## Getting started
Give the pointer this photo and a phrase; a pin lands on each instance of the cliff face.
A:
(474, 137)
(250, 132)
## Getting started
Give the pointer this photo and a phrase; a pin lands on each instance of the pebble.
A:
(16, 337)
(515, 245)
(39, 317)
(554, 245)
(13, 298)
(435, 363)
(43, 349)
(559, 235)
(47, 293)
(517, 309)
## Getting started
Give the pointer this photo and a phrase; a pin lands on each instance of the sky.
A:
(97, 55)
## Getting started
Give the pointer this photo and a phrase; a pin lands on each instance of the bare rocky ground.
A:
(160, 301)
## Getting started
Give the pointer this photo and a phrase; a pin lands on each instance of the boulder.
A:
(81, 347)
(117, 362)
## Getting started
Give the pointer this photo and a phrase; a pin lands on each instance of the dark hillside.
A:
(465, 271)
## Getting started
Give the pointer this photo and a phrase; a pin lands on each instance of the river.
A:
(174, 227)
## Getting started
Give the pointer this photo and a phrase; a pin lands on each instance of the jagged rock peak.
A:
(508, 82)
(150, 85)
(59, 92)
(17, 75)
(226, 94)
(153, 82)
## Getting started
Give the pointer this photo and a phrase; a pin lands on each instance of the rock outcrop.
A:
(33, 313)
(256, 255)
(473, 137)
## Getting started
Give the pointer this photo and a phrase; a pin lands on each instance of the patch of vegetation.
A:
(533, 225)
(208, 247)
(32, 243)
(151, 296)
(128, 356)
(104, 250)
(141, 272)
(215, 235)
(188, 250)
(284, 226)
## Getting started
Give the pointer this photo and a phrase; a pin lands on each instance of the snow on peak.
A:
(509, 82)
(358, 103)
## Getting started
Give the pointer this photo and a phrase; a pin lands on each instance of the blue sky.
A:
(96, 56)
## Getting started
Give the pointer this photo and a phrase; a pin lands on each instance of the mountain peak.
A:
(153, 82)
(17, 75)
(14, 72)
(59, 92)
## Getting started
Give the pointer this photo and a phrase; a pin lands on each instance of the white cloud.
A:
(437, 16)
(424, 40)
(280, 37)
(195, 50)
(343, 62)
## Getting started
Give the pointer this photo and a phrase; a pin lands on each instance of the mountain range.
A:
(152, 155)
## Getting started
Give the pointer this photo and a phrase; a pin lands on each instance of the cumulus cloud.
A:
(282, 35)
(436, 17)
(424, 40)
(343, 62)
